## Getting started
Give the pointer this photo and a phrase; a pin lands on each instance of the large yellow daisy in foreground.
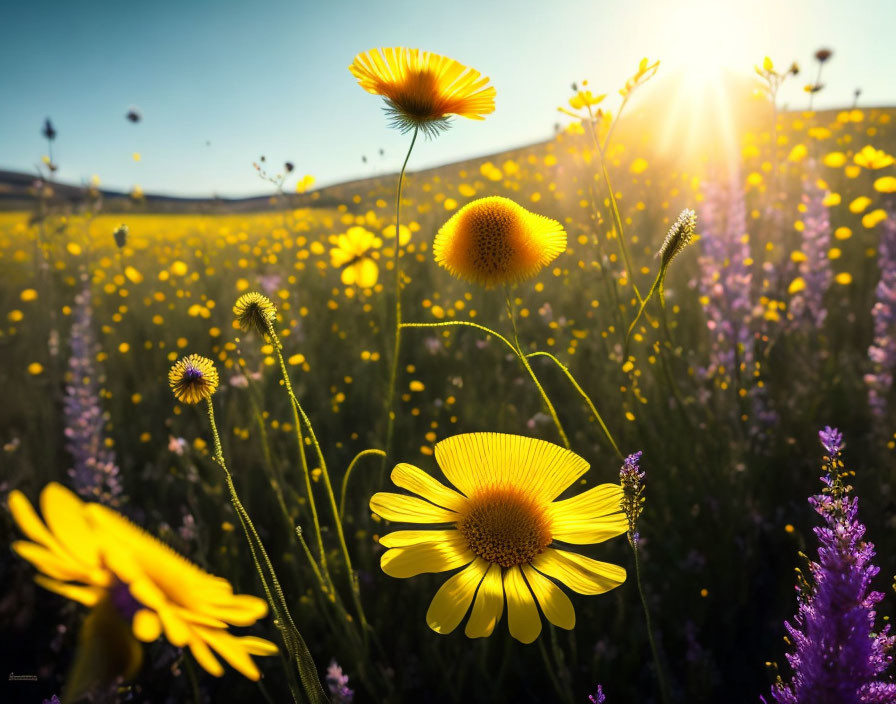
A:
(423, 89)
(501, 526)
(95, 556)
(494, 241)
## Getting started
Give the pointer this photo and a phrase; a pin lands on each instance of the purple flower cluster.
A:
(95, 475)
(337, 683)
(882, 351)
(726, 287)
(598, 697)
(837, 657)
(807, 304)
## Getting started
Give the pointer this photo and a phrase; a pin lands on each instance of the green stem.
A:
(396, 352)
(661, 677)
(584, 395)
(301, 446)
(290, 633)
(522, 357)
(657, 283)
(351, 466)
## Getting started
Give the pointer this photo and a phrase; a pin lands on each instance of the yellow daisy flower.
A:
(494, 241)
(352, 255)
(501, 527)
(193, 379)
(422, 89)
(93, 555)
(254, 311)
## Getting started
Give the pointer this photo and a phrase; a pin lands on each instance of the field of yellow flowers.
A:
(683, 328)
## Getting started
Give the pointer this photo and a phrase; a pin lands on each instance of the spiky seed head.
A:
(679, 236)
(254, 311)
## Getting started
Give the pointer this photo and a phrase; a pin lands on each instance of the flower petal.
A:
(146, 625)
(419, 482)
(404, 538)
(595, 530)
(205, 657)
(409, 509)
(29, 522)
(541, 469)
(452, 601)
(426, 557)
(554, 603)
(489, 605)
(231, 650)
(522, 614)
(50, 563)
(257, 646)
(579, 573)
(64, 514)
(87, 595)
(601, 500)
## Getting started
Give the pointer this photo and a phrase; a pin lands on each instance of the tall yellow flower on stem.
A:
(422, 90)
(500, 524)
(137, 587)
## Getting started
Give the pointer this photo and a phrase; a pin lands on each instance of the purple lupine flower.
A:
(726, 287)
(95, 475)
(882, 351)
(837, 657)
(598, 697)
(337, 682)
(631, 477)
(807, 304)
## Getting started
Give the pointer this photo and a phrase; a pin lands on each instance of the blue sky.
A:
(271, 78)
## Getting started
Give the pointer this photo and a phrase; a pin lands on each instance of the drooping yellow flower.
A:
(193, 379)
(254, 311)
(494, 241)
(93, 555)
(352, 255)
(422, 89)
(500, 525)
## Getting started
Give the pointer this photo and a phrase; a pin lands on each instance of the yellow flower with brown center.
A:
(193, 379)
(422, 89)
(494, 241)
(137, 586)
(254, 311)
(501, 525)
(352, 254)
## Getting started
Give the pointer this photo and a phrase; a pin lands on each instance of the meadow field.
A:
(719, 360)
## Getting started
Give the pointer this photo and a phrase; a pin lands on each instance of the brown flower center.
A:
(505, 527)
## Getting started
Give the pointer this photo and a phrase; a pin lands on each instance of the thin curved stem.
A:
(522, 356)
(396, 352)
(584, 395)
(514, 349)
(661, 677)
(302, 459)
(291, 636)
(653, 289)
(351, 466)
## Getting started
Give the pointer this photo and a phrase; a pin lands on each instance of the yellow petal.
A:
(205, 657)
(426, 557)
(87, 595)
(554, 603)
(366, 273)
(257, 646)
(64, 514)
(404, 538)
(50, 563)
(231, 650)
(588, 532)
(452, 601)
(176, 631)
(579, 573)
(541, 469)
(148, 594)
(522, 614)
(489, 605)
(146, 625)
(419, 482)
(409, 509)
(591, 517)
(29, 522)
(238, 609)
